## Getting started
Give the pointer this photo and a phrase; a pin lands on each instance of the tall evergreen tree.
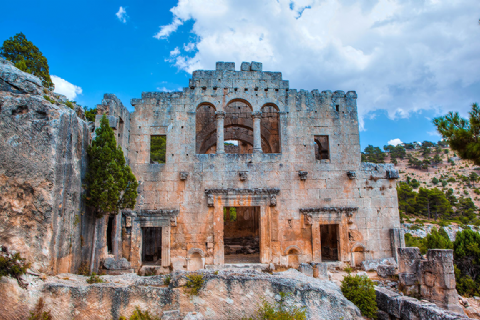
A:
(462, 135)
(111, 183)
(27, 57)
(406, 198)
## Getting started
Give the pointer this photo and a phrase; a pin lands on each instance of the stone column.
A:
(257, 137)
(218, 249)
(220, 116)
(166, 246)
(265, 243)
(316, 245)
(117, 236)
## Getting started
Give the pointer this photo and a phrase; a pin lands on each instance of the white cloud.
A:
(175, 52)
(394, 142)
(122, 14)
(66, 88)
(164, 89)
(189, 47)
(165, 31)
(401, 56)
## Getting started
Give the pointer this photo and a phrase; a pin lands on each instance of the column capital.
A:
(220, 114)
(257, 114)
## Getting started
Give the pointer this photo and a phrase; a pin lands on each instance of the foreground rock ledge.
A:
(225, 295)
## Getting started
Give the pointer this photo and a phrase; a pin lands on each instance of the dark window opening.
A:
(329, 235)
(337, 107)
(322, 149)
(158, 145)
(241, 234)
(110, 234)
(152, 245)
(205, 129)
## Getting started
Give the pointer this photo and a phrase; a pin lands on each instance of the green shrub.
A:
(140, 315)
(49, 99)
(411, 241)
(84, 269)
(90, 114)
(38, 313)
(195, 283)
(69, 104)
(279, 311)
(94, 278)
(13, 265)
(360, 291)
(167, 279)
(451, 179)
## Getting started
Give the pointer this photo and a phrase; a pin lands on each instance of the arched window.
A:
(205, 129)
(270, 129)
(238, 127)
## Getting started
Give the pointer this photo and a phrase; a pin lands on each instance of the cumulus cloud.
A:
(395, 142)
(400, 56)
(175, 52)
(122, 14)
(64, 87)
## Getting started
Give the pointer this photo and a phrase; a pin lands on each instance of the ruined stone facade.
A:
(253, 172)
(245, 140)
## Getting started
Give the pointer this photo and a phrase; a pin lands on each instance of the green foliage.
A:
(167, 280)
(12, 265)
(435, 180)
(94, 278)
(230, 215)
(84, 270)
(27, 57)
(466, 286)
(432, 203)
(414, 183)
(38, 314)
(411, 241)
(396, 152)
(438, 240)
(140, 315)
(49, 99)
(195, 283)
(111, 183)
(462, 134)
(360, 291)
(279, 311)
(373, 154)
(158, 149)
(69, 104)
(90, 114)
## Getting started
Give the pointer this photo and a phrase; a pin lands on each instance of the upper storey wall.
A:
(303, 114)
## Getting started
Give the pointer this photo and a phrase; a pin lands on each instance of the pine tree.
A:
(406, 198)
(27, 57)
(111, 183)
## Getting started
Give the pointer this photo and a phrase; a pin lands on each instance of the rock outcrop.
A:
(42, 166)
(223, 295)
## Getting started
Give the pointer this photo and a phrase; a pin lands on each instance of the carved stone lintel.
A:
(243, 175)
(273, 200)
(348, 210)
(183, 176)
(257, 115)
(210, 201)
(303, 175)
(392, 174)
(351, 174)
(220, 114)
(158, 212)
(234, 191)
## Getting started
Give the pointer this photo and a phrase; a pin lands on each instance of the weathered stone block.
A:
(256, 66)
(245, 66)
(306, 269)
(369, 265)
(385, 271)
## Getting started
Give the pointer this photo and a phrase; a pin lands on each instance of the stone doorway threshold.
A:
(242, 258)
(238, 266)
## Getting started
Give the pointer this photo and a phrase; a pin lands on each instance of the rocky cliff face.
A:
(224, 295)
(42, 164)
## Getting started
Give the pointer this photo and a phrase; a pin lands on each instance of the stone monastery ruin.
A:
(252, 172)
(288, 187)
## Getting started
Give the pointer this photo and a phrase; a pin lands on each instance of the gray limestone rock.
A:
(385, 270)
(256, 66)
(112, 264)
(16, 81)
(369, 265)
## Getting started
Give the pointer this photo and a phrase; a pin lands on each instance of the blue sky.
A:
(409, 61)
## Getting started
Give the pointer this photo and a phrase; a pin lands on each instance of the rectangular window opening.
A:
(337, 108)
(158, 149)
(322, 148)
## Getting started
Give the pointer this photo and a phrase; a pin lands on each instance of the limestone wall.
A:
(42, 166)
(302, 115)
